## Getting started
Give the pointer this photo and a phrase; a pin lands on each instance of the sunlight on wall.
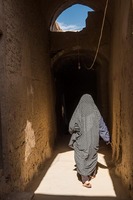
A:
(29, 140)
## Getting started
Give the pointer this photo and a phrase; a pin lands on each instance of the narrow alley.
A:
(44, 71)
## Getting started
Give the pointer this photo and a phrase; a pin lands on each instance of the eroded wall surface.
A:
(27, 107)
(121, 97)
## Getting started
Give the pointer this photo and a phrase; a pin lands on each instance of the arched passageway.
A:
(73, 78)
(35, 65)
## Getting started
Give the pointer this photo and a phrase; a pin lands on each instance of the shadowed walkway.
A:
(58, 179)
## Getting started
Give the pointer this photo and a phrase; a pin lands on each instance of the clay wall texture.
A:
(121, 82)
(27, 104)
(27, 93)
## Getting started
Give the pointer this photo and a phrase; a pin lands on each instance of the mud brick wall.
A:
(28, 128)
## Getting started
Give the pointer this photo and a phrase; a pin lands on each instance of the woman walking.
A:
(86, 125)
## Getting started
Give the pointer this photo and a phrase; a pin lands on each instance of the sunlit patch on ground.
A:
(61, 179)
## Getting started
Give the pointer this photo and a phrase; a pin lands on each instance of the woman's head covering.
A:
(86, 104)
(86, 108)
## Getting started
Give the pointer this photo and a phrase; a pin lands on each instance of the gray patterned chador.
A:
(86, 125)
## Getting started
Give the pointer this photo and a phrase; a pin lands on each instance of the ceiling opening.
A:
(72, 19)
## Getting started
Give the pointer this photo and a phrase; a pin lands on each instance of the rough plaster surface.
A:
(28, 108)
(121, 76)
(28, 97)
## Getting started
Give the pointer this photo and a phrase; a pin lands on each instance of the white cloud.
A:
(71, 27)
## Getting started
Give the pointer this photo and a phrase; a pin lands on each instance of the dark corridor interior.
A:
(73, 79)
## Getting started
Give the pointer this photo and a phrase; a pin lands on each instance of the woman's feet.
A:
(87, 184)
(93, 176)
(86, 181)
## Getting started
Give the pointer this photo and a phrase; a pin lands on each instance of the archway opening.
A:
(72, 19)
